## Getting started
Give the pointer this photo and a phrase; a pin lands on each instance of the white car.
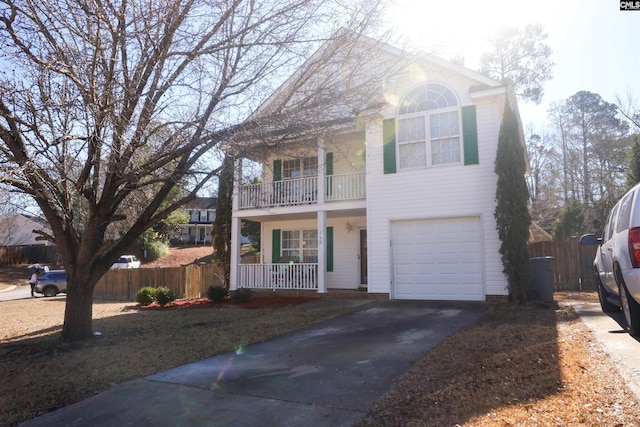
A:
(126, 262)
(617, 260)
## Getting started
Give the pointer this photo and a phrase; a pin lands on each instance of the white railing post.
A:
(322, 254)
(322, 170)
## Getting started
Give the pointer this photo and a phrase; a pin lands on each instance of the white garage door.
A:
(438, 259)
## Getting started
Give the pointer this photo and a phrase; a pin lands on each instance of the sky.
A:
(596, 46)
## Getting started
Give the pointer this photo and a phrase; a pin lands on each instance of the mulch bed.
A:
(207, 303)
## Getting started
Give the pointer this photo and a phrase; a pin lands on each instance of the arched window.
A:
(428, 127)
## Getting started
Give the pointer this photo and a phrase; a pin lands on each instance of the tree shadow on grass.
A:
(510, 356)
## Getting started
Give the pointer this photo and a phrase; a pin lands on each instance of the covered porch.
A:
(310, 251)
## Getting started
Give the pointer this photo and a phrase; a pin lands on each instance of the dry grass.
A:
(518, 366)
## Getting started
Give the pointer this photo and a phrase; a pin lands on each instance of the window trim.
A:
(301, 248)
(428, 142)
(300, 168)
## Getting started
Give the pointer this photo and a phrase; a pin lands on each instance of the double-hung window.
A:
(429, 127)
(297, 168)
(300, 244)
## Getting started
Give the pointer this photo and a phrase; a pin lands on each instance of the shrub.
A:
(164, 296)
(146, 295)
(155, 250)
(217, 293)
(240, 295)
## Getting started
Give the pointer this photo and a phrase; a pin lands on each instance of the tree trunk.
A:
(78, 313)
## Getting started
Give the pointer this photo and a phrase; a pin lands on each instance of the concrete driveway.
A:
(324, 375)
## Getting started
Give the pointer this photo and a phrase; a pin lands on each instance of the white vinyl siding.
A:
(442, 192)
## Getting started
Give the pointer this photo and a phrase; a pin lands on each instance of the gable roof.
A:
(200, 203)
(402, 61)
(17, 229)
(277, 120)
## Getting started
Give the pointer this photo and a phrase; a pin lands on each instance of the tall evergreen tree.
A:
(221, 233)
(572, 221)
(512, 213)
(633, 174)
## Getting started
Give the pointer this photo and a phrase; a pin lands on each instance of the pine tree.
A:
(633, 175)
(512, 213)
(221, 233)
(572, 221)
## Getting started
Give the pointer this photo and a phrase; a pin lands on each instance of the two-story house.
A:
(399, 203)
(202, 213)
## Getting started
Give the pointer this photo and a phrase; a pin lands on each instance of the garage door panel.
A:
(438, 259)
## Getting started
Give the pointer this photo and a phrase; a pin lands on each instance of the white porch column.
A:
(322, 171)
(322, 251)
(236, 231)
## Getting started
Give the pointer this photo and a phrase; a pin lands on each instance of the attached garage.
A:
(437, 259)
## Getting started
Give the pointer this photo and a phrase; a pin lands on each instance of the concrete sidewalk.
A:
(623, 349)
(324, 375)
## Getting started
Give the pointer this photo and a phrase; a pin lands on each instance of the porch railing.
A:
(291, 192)
(302, 276)
(345, 187)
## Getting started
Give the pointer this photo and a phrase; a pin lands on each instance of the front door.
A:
(363, 257)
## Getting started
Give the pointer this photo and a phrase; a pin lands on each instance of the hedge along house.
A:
(398, 200)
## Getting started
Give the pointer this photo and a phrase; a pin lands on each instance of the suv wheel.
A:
(631, 310)
(607, 306)
(50, 291)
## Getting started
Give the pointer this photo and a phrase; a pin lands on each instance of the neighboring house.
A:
(399, 203)
(17, 230)
(538, 234)
(202, 213)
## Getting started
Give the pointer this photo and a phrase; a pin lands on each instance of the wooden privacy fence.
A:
(191, 281)
(29, 254)
(572, 264)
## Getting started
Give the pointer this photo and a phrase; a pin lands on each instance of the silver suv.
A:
(617, 260)
(52, 283)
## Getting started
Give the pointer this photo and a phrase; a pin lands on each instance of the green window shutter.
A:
(275, 246)
(389, 145)
(277, 170)
(470, 135)
(329, 181)
(329, 164)
(329, 248)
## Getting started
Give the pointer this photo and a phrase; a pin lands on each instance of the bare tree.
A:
(545, 185)
(108, 109)
(629, 107)
(598, 137)
(520, 58)
(560, 126)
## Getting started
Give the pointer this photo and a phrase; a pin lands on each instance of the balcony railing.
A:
(345, 187)
(291, 192)
(303, 276)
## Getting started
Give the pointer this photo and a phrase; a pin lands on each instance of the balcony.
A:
(292, 192)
